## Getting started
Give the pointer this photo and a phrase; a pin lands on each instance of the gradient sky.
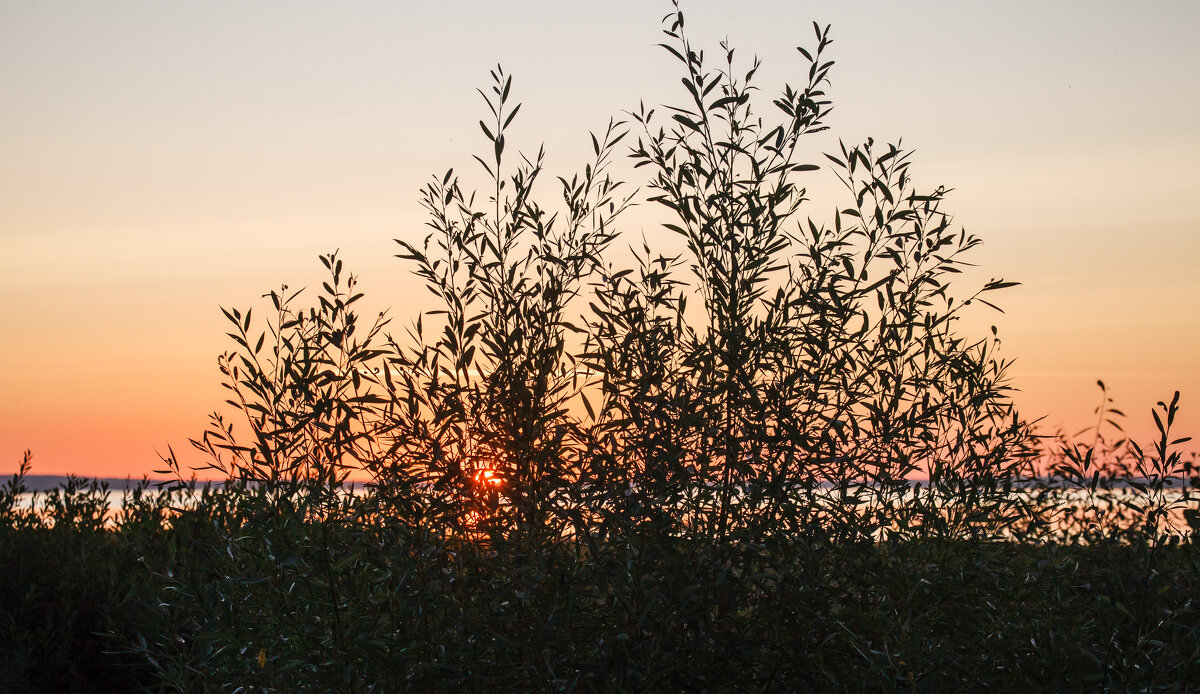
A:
(160, 160)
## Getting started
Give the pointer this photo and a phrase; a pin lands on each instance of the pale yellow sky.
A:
(159, 160)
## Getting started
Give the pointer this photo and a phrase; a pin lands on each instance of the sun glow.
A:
(486, 486)
(486, 477)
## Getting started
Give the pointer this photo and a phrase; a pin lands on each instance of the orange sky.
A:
(160, 160)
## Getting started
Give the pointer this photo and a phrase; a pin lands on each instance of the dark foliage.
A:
(226, 596)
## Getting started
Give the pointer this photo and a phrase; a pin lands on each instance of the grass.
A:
(188, 600)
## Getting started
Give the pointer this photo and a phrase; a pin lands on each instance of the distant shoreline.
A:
(45, 483)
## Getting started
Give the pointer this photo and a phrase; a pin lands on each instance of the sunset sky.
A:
(161, 160)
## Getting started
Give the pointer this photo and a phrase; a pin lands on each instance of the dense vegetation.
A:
(690, 472)
(277, 594)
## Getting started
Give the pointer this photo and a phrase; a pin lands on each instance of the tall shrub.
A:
(482, 399)
(824, 368)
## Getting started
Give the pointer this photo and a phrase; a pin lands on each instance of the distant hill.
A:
(42, 483)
